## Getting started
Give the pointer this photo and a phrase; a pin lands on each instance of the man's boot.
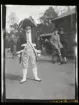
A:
(24, 75)
(35, 74)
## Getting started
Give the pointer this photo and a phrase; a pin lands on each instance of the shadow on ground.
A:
(44, 61)
(71, 84)
(16, 77)
(12, 77)
(50, 61)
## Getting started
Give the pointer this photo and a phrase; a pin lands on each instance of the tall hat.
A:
(27, 22)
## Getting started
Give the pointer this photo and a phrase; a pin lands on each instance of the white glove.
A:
(18, 52)
(23, 45)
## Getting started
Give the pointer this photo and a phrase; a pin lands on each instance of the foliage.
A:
(48, 15)
(13, 23)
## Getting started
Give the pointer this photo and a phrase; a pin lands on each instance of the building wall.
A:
(68, 23)
(69, 26)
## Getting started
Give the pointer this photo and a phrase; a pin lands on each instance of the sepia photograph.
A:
(39, 52)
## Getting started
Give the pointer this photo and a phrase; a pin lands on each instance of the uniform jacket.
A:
(22, 40)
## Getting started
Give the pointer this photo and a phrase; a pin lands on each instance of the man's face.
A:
(56, 32)
(28, 30)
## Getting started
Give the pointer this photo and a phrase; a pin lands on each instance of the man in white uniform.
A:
(29, 52)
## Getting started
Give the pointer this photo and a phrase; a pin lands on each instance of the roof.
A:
(73, 11)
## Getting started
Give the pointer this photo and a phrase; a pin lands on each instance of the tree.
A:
(13, 20)
(48, 15)
(15, 27)
(62, 9)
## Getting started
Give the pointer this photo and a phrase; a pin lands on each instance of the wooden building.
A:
(68, 22)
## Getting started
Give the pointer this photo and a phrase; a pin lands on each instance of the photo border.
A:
(3, 90)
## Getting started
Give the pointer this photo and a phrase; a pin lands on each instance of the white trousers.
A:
(26, 56)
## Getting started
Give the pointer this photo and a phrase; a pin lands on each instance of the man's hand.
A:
(23, 45)
(34, 45)
(38, 51)
(18, 52)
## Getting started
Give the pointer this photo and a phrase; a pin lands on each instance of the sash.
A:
(33, 49)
